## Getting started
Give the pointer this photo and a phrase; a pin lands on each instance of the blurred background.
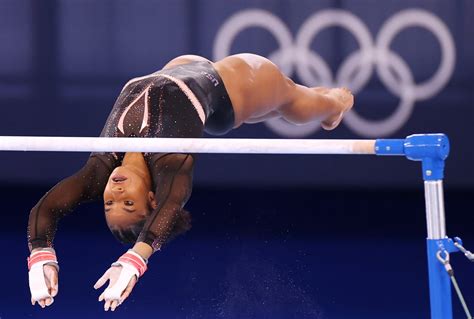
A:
(273, 236)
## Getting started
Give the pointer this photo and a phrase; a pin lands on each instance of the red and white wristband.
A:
(43, 256)
(133, 259)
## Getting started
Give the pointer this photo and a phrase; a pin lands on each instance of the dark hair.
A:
(129, 235)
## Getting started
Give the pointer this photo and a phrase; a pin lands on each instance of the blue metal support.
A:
(439, 281)
(431, 150)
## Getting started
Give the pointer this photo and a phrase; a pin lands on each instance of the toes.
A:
(332, 124)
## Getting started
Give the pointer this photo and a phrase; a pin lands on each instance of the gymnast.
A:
(144, 194)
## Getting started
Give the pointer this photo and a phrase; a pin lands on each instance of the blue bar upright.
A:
(431, 150)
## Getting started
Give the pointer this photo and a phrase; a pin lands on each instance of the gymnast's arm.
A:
(173, 176)
(86, 185)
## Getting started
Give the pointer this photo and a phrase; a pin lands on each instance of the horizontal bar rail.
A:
(185, 145)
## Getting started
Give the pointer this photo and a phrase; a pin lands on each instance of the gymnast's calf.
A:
(144, 194)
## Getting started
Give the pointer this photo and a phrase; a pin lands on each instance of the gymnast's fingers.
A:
(101, 297)
(129, 289)
(48, 301)
(102, 280)
(41, 303)
(53, 291)
(114, 305)
(107, 305)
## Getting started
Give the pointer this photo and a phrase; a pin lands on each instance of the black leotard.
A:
(177, 102)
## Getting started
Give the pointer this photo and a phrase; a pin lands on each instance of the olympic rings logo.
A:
(356, 70)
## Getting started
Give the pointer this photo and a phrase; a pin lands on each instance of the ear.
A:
(151, 200)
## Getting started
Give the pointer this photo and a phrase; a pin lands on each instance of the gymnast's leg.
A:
(259, 90)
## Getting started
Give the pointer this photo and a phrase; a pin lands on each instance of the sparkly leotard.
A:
(179, 102)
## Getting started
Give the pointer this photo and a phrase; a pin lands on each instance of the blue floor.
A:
(242, 278)
(245, 258)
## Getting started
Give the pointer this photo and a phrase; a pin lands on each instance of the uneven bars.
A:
(430, 149)
(186, 145)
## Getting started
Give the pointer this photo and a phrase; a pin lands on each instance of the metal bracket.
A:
(458, 243)
(448, 244)
(430, 149)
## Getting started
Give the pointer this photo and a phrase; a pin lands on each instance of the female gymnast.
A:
(144, 194)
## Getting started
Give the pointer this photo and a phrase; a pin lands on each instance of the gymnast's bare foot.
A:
(343, 102)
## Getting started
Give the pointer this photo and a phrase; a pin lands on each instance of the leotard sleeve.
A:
(173, 176)
(86, 185)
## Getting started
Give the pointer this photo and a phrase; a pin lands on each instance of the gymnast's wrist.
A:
(43, 256)
(49, 249)
(38, 243)
(143, 249)
(132, 261)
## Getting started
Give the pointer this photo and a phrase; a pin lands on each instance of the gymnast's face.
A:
(127, 197)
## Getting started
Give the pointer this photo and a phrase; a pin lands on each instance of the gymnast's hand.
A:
(43, 276)
(122, 277)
